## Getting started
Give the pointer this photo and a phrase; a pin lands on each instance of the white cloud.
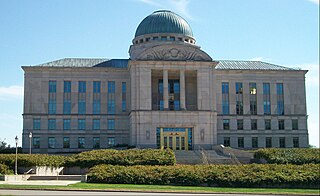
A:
(315, 1)
(256, 59)
(179, 6)
(11, 92)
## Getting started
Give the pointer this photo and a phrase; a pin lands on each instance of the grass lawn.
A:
(164, 188)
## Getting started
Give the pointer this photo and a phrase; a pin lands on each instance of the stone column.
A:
(182, 90)
(165, 90)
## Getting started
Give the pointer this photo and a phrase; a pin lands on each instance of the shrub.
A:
(26, 160)
(292, 156)
(5, 170)
(122, 157)
(251, 175)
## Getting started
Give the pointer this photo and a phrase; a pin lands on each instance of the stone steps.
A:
(59, 177)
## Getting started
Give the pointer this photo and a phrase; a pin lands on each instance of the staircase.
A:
(59, 177)
(201, 157)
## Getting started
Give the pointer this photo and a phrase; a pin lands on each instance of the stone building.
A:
(168, 94)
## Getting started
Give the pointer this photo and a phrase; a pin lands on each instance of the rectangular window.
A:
(253, 98)
(240, 142)
(52, 103)
(124, 97)
(281, 124)
(36, 124)
(225, 98)
(296, 142)
(81, 124)
(172, 38)
(96, 142)
(226, 141)
(280, 99)
(111, 97)
(163, 38)
(96, 124)
(96, 97)
(66, 142)
(81, 97)
(295, 125)
(239, 98)
(51, 142)
(240, 124)
(67, 97)
(266, 98)
(282, 142)
(226, 124)
(268, 142)
(254, 142)
(51, 124)
(111, 141)
(36, 142)
(66, 124)
(254, 124)
(81, 142)
(111, 124)
(267, 124)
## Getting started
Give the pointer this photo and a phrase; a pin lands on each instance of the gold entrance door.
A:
(174, 140)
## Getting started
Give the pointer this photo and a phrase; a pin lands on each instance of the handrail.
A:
(204, 157)
(29, 171)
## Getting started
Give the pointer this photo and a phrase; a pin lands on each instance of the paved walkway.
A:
(41, 182)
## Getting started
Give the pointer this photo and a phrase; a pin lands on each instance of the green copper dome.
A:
(164, 21)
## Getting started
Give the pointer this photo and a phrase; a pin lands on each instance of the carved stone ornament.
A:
(174, 53)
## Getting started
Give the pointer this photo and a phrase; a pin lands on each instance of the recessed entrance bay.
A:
(175, 138)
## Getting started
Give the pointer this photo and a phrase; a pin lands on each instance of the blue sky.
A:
(284, 32)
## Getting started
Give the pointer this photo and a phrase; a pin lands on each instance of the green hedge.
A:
(92, 158)
(122, 157)
(26, 160)
(293, 156)
(5, 170)
(251, 175)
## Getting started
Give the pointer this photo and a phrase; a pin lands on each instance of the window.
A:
(268, 142)
(66, 124)
(141, 41)
(51, 124)
(254, 142)
(81, 142)
(253, 98)
(280, 99)
(240, 124)
(281, 124)
(226, 141)
(52, 103)
(239, 98)
(110, 124)
(163, 38)
(96, 97)
(240, 142)
(172, 38)
(266, 98)
(267, 124)
(81, 124)
(111, 97)
(66, 142)
(147, 39)
(225, 98)
(51, 142)
(155, 38)
(36, 142)
(81, 97)
(124, 97)
(296, 142)
(96, 124)
(36, 124)
(295, 124)
(226, 124)
(111, 141)
(282, 142)
(253, 124)
(67, 97)
(96, 142)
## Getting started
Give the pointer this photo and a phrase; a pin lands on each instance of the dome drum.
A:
(163, 37)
